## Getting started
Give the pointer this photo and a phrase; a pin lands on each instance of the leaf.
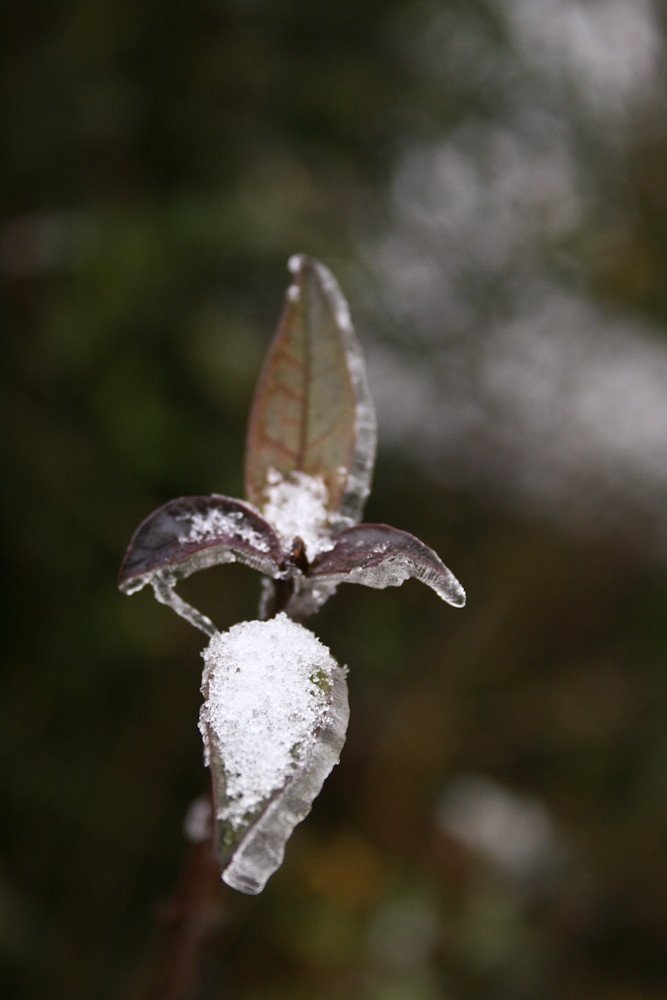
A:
(273, 724)
(194, 533)
(312, 411)
(379, 556)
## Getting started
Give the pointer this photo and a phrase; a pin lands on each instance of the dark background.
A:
(487, 181)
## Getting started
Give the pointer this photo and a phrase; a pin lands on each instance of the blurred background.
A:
(488, 181)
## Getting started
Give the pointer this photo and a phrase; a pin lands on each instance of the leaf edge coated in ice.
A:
(331, 432)
(193, 533)
(253, 817)
(263, 845)
(377, 555)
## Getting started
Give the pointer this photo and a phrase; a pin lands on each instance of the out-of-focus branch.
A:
(186, 924)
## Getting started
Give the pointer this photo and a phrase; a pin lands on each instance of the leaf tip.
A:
(296, 262)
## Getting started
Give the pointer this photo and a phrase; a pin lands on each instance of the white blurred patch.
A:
(503, 377)
(198, 822)
(557, 409)
(513, 831)
(609, 51)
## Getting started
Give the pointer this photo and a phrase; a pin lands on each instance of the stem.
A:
(186, 924)
(187, 921)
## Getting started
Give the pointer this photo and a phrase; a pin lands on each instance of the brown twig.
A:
(186, 924)
(189, 919)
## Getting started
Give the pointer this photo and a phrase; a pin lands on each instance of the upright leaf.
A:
(312, 412)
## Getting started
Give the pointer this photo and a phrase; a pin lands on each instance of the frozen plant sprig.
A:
(275, 710)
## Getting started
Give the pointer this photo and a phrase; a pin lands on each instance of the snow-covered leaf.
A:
(273, 724)
(379, 556)
(312, 412)
(194, 533)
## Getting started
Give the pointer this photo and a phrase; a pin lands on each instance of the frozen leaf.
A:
(379, 556)
(275, 712)
(312, 412)
(194, 533)
(273, 724)
(309, 461)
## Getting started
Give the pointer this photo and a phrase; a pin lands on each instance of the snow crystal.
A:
(215, 523)
(298, 506)
(268, 687)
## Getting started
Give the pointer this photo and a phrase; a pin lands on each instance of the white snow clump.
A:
(273, 724)
(298, 506)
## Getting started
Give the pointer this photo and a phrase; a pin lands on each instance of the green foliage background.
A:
(161, 162)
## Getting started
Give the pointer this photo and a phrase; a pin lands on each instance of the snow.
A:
(298, 506)
(267, 688)
(214, 523)
(273, 724)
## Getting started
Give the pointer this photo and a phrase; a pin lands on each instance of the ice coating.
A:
(359, 471)
(379, 556)
(309, 461)
(306, 599)
(312, 411)
(276, 709)
(298, 506)
(163, 588)
(273, 724)
(193, 533)
(266, 685)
